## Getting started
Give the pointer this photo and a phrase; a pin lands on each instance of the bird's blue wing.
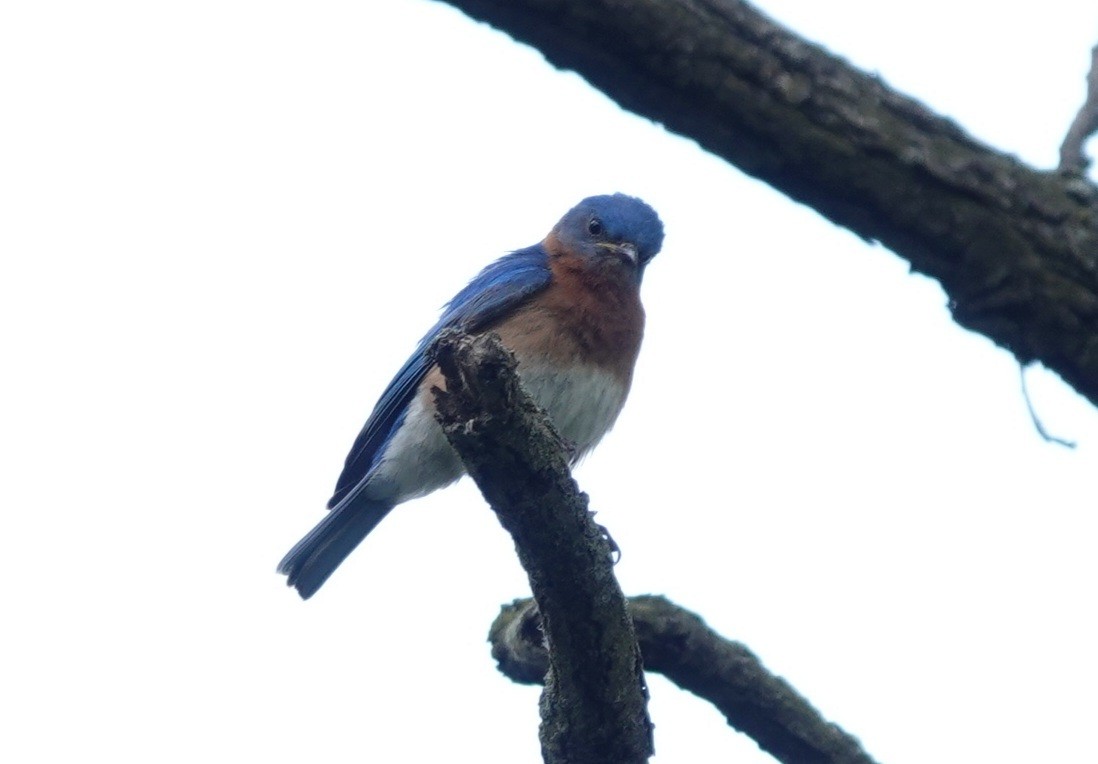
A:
(495, 291)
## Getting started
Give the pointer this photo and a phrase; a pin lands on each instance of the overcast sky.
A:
(223, 227)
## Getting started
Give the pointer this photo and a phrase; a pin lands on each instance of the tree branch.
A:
(679, 645)
(594, 707)
(1016, 250)
(1072, 159)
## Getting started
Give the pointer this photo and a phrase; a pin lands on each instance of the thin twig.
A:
(1072, 159)
(1033, 414)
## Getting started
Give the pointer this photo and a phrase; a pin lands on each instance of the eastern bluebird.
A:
(568, 308)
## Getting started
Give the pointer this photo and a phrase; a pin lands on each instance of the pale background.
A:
(223, 227)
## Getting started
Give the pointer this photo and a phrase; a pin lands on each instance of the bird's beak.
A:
(624, 250)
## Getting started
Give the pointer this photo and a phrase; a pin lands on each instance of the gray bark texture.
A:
(679, 645)
(1015, 248)
(594, 708)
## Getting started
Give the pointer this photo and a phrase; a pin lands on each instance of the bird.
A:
(569, 310)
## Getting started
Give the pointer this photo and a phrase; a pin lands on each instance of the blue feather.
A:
(494, 292)
(373, 480)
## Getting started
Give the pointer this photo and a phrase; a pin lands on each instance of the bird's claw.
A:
(615, 550)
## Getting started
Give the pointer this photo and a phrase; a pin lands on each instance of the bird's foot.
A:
(615, 550)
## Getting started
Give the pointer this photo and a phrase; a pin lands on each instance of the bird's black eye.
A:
(594, 226)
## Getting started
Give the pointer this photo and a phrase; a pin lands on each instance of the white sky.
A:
(225, 224)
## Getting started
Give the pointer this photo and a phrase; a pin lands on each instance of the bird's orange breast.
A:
(585, 317)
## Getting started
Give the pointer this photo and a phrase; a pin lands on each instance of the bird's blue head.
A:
(613, 228)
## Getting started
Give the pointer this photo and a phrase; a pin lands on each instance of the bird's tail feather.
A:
(316, 556)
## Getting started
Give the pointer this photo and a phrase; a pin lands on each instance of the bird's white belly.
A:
(583, 403)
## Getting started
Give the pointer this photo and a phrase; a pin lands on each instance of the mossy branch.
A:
(679, 645)
(594, 707)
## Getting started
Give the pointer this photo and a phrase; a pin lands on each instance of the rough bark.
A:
(679, 645)
(594, 707)
(1015, 249)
